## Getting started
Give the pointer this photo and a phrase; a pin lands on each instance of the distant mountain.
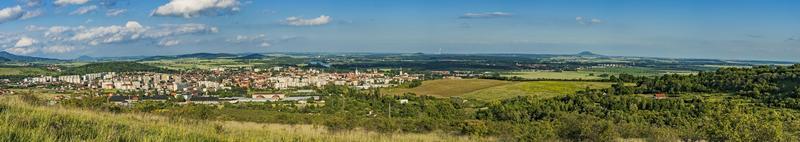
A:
(4, 59)
(587, 53)
(252, 56)
(13, 57)
(206, 55)
(85, 58)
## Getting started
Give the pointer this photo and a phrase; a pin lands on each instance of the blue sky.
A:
(725, 29)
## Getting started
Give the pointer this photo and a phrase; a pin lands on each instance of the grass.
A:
(540, 89)
(448, 87)
(192, 63)
(25, 71)
(554, 75)
(490, 90)
(20, 121)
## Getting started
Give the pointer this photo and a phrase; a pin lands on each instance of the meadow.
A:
(25, 71)
(491, 90)
(448, 87)
(535, 89)
(22, 121)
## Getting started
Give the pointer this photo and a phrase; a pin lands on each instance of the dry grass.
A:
(20, 121)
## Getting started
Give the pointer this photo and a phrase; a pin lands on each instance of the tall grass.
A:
(22, 121)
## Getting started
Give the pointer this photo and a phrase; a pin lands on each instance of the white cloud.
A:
(58, 49)
(10, 13)
(130, 32)
(70, 2)
(84, 10)
(194, 8)
(485, 15)
(31, 3)
(32, 14)
(265, 44)
(298, 21)
(21, 50)
(585, 21)
(166, 42)
(115, 12)
(25, 42)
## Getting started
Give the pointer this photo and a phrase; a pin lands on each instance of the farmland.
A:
(449, 87)
(593, 73)
(489, 90)
(536, 89)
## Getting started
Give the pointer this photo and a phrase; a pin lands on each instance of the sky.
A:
(713, 29)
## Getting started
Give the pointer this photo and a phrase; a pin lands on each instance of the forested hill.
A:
(757, 82)
(114, 67)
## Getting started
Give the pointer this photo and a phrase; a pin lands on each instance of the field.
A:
(490, 90)
(539, 89)
(25, 71)
(448, 87)
(594, 73)
(21, 121)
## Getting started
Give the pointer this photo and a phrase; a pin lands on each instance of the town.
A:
(203, 87)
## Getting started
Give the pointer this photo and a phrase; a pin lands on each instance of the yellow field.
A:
(490, 90)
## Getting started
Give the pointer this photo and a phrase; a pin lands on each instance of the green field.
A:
(554, 75)
(539, 89)
(489, 90)
(25, 71)
(448, 87)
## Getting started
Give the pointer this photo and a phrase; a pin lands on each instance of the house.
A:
(659, 96)
(403, 101)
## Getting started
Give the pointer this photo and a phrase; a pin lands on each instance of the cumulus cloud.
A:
(25, 42)
(131, 31)
(485, 15)
(194, 8)
(21, 50)
(10, 13)
(84, 10)
(115, 12)
(168, 42)
(23, 46)
(58, 49)
(588, 21)
(70, 2)
(298, 21)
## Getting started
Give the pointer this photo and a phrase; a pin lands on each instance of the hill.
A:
(4, 59)
(207, 55)
(252, 56)
(114, 67)
(13, 57)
